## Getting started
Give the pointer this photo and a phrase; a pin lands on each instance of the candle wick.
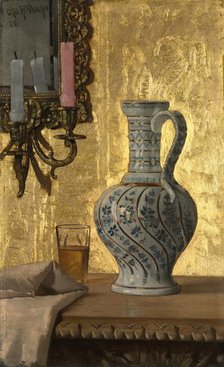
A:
(66, 37)
(35, 55)
(15, 54)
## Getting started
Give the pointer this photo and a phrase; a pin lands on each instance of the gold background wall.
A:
(141, 49)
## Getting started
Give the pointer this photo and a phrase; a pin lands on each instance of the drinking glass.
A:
(73, 249)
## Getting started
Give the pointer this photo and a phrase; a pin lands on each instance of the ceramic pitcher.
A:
(148, 219)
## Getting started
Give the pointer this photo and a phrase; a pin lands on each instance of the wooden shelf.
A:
(195, 314)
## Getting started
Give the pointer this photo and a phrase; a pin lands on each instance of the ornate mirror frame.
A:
(73, 19)
(77, 24)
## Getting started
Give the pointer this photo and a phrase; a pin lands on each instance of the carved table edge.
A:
(159, 331)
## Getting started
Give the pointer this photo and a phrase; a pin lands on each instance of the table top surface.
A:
(201, 298)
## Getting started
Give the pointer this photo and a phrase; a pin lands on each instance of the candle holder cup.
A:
(18, 133)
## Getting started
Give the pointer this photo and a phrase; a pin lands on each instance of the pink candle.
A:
(67, 97)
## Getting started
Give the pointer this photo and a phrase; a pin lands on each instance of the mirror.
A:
(35, 28)
(28, 30)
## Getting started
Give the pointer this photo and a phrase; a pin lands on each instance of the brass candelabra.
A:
(26, 138)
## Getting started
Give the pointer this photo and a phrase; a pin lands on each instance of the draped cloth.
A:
(31, 297)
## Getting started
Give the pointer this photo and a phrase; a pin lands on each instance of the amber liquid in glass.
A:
(74, 261)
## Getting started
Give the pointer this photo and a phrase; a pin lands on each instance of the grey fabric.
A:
(23, 279)
(28, 310)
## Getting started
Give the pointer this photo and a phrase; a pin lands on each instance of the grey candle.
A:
(17, 113)
(39, 80)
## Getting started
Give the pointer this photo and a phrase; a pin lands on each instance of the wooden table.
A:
(109, 329)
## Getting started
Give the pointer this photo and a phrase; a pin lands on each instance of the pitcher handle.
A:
(179, 123)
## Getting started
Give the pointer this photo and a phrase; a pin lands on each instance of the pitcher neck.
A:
(144, 152)
(144, 144)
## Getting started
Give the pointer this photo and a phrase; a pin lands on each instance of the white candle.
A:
(39, 80)
(67, 75)
(17, 113)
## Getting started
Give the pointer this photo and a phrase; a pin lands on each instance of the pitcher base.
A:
(146, 291)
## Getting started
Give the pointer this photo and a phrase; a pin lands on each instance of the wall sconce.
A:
(66, 19)
(26, 138)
